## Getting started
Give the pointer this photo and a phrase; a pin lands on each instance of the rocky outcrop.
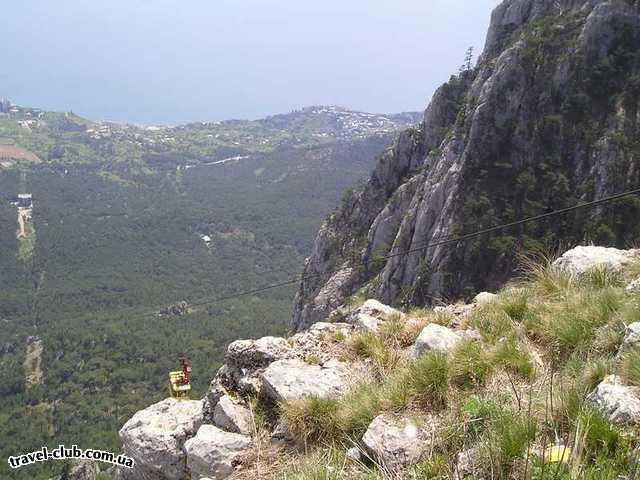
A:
(229, 415)
(545, 121)
(580, 260)
(621, 403)
(215, 453)
(396, 442)
(155, 437)
(293, 380)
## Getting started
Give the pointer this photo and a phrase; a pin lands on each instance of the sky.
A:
(178, 61)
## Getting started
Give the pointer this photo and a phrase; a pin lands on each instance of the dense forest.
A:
(127, 221)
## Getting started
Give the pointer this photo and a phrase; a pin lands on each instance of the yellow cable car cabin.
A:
(179, 381)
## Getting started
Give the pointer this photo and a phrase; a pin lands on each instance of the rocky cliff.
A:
(548, 118)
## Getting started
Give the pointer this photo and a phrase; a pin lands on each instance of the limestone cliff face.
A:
(547, 119)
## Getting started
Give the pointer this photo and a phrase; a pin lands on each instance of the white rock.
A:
(232, 417)
(354, 454)
(366, 322)
(435, 338)
(633, 287)
(621, 403)
(632, 335)
(580, 260)
(154, 438)
(215, 453)
(395, 442)
(376, 309)
(294, 380)
(484, 298)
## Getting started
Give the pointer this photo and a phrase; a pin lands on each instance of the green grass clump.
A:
(470, 364)
(510, 436)
(600, 437)
(631, 367)
(478, 412)
(511, 356)
(492, 322)
(313, 419)
(547, 280)
(428, 379)
(435, 468)
(601, 278)
(359, 408)
(384, 355)
(515, 303)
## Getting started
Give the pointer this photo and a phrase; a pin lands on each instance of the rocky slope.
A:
(274, 397)
(547, 119)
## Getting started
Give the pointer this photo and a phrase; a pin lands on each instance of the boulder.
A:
(215, 453)
(83, 470)
(232, 417)
(294, 380)
(580, 260)
(246, 359)
(396, 442)
(621, 403)
(632, 335)
(484, 298)
(251, 354)
(364, 321)
(154, 438)
(436, 338)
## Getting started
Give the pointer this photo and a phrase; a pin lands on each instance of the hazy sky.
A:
(173, 61)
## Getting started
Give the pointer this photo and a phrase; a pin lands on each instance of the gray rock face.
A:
(155, 437)
(396, 442)
(580, 260)
(294, 380)
(232, 417)
(621, 403)
(215, 453)
(440, 179)
(245, 360)
(436, 338)
(632, 336)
